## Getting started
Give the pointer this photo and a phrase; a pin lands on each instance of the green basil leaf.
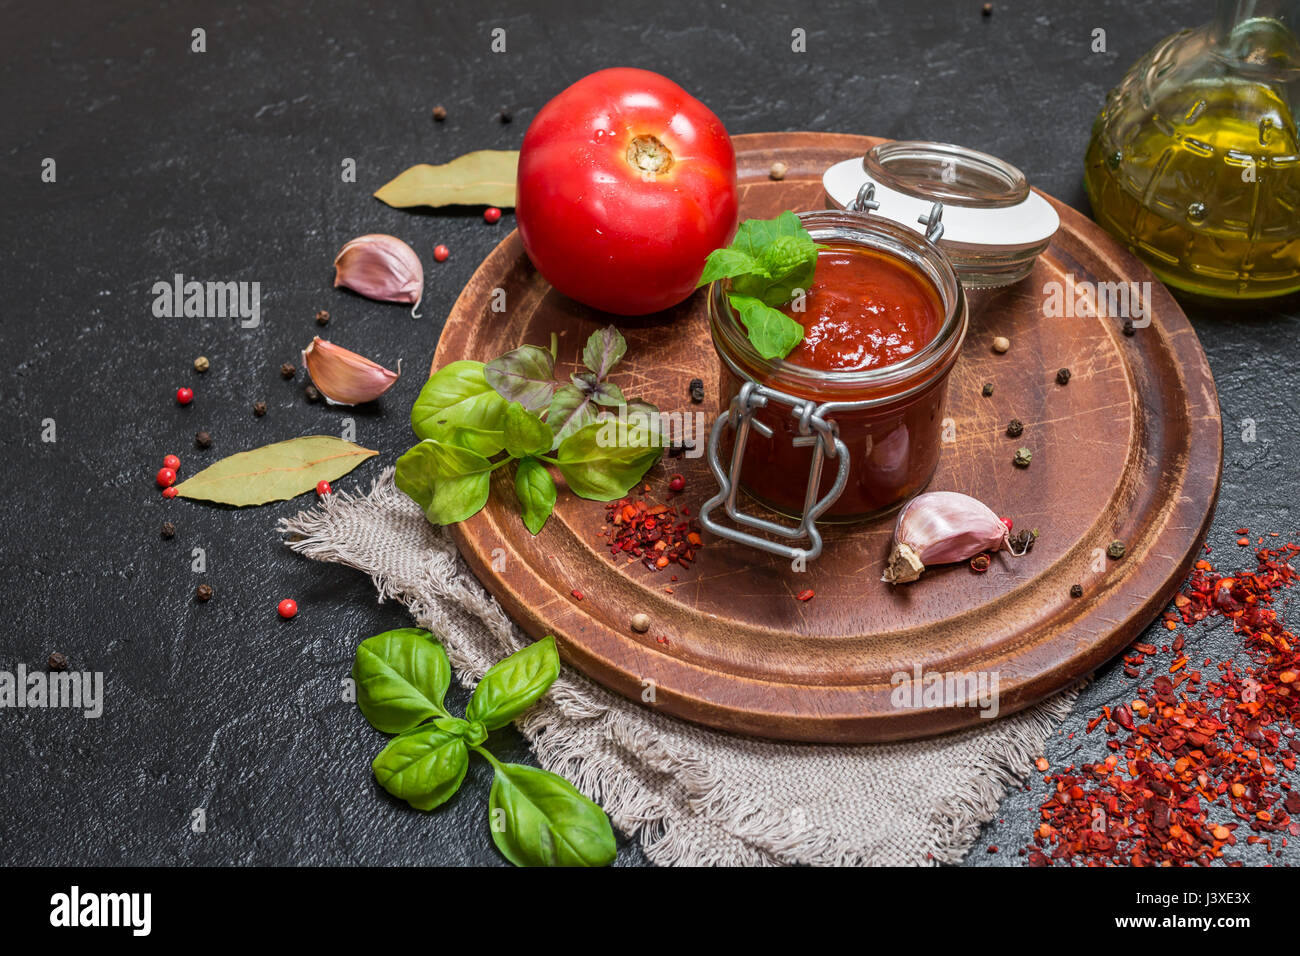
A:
(524, 433)
(570, 410)
(513, 685)
(455, 499)
(603, 460)
(452, 461)
(754, 236)
(726, 263)
(607, 393)
(448, 482)
(481, 441)
(604, 348)
(424, 766)
(773, 334)
(781, 287)
(540, 819)
(524, 375)
(535, 489)
(414, 474)
(770, 260)
(401, 678)
(452, 725)
(458, 395)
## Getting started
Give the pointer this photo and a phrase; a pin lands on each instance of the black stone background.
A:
(225, 165)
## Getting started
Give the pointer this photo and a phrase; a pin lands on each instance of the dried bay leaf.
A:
(274, 472)
(485, 177)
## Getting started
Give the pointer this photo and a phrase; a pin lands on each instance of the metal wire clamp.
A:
(865, 202)
(814, 430)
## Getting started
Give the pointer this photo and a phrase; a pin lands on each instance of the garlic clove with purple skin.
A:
(380, 267)
(940, 527)
(344, 377)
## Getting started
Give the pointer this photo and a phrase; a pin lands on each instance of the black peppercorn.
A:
(288, 370)
(503, 115)
(311, 394)
(203, 592)
(1015, 428)
(202, 440)
(439, 113)
(259, 409)
(697, 390)
(168, 530)
(322, 317)
(1076, 590)
(58, 661)
(1022, 542)
(987, 390)
(1116, 550)
(1128, 327)
(1062, 376)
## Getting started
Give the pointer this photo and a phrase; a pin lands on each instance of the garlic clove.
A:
(940, 527)
(380, 267)
(343, 377)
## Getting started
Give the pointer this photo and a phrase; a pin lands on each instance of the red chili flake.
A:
(577, 595)
(806, 594)
(655, 534)
(1192, 744)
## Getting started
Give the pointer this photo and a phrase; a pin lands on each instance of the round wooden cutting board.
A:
(1130, 449)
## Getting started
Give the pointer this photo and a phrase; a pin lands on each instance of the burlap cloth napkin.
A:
(691, 795)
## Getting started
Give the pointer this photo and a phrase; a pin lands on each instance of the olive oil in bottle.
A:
(1194, 161)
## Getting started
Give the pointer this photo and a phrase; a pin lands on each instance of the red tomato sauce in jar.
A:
(878, 331)
(864, 310)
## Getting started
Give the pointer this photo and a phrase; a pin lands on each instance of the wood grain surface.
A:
(1130, 449)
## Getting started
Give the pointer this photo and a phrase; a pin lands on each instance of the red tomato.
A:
(626, 184)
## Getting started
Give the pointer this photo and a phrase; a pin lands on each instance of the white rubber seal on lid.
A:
(994, 226)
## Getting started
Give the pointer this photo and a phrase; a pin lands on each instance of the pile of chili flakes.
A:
(657, 535)
(1193, 741)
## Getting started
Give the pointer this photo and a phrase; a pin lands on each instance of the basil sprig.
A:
(536, 818)
(474, 418)
(769, 263)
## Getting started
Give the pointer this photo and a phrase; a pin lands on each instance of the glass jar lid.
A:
(993, 225)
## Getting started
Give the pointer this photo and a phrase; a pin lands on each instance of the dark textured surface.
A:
(225, 166)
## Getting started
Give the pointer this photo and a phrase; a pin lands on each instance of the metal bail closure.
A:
(865, 202)
(814, 430)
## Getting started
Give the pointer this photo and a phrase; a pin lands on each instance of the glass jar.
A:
(880, 428)
(1194, 161)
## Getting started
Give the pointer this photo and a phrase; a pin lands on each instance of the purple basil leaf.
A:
(586, 381)
(524, 375)
(571, 409)
(607, 393)
(604, 349)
